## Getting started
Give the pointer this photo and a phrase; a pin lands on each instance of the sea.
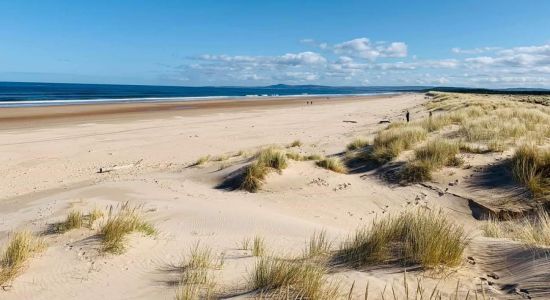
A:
(21, 94)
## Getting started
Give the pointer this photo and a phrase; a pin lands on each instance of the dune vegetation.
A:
(266, 160)
(301, 157)
(318, 245)
(20, 247)
(197, 280)
(76, 219)
(121, 222)
(295, 143)
(421, 237)
(467, 123)
(258, 246)
(357, 144)
(202, 160)
(287, 279)
(334, 164)
(531, 167)
(532, 230)
(429, 157)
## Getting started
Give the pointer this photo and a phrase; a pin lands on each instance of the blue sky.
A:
(463, 43)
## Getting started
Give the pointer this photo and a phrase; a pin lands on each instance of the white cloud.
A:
(294, 59)
(362, 61)
(299, 76)
(518, 57)
(474, 51)
(304, 58)
(364, 48)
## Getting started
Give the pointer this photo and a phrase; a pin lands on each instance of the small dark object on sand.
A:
(384, 121)
(349, 121)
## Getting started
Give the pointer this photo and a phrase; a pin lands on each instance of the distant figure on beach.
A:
(430, 114)
(407, 116)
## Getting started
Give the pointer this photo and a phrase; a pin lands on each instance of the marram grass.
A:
(20, 247)
(418, 237)
(332, 163)
(121, 223)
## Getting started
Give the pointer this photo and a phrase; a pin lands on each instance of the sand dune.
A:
(146, 159)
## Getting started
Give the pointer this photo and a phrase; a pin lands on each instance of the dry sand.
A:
(50, 157)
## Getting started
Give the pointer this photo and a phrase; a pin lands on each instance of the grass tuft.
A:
(420, 237)
(245, 243)
(258, 246)
(291, 280)
(125, 221)
(533, 231)
(333, 164)
(74, 220)
(296, 143)
(531, 167)
(255, 173)
(94, 215)
(254, 176)
(415, 172)
(390, 142)
(314, 157)
(318, 244)
(20, 247)
(434, 155)
(202, 160)
(357, 144)
(273, 158)
(197, 281)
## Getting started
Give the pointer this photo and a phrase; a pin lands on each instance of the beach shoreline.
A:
(32, 116)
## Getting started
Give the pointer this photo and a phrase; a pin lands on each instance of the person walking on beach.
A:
(407, 116)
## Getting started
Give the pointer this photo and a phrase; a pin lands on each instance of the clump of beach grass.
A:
(415, 171)
(357, 144)
(258, 246)
(531, 167)
(273, 158)
(295, 143)
(245, 243)
(421, 237)
(200, 257)
(291, 280)
(531, 230)
(389, 143)
(421, 292)
(435, 123)
(333, 163)
(202, 160)
(222, 157)
(20, 247)
(470, 148)
(94, 215)
(301, 157)
(76, 219)
(253, 177)
(318, 244)
(295, 156)
(432, 156)
(255, 173)
(121, 223)
(197, 281)
(314, 157)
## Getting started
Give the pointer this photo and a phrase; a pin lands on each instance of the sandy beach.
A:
(50, 161)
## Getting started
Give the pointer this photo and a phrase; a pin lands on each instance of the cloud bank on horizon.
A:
(361, 61)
